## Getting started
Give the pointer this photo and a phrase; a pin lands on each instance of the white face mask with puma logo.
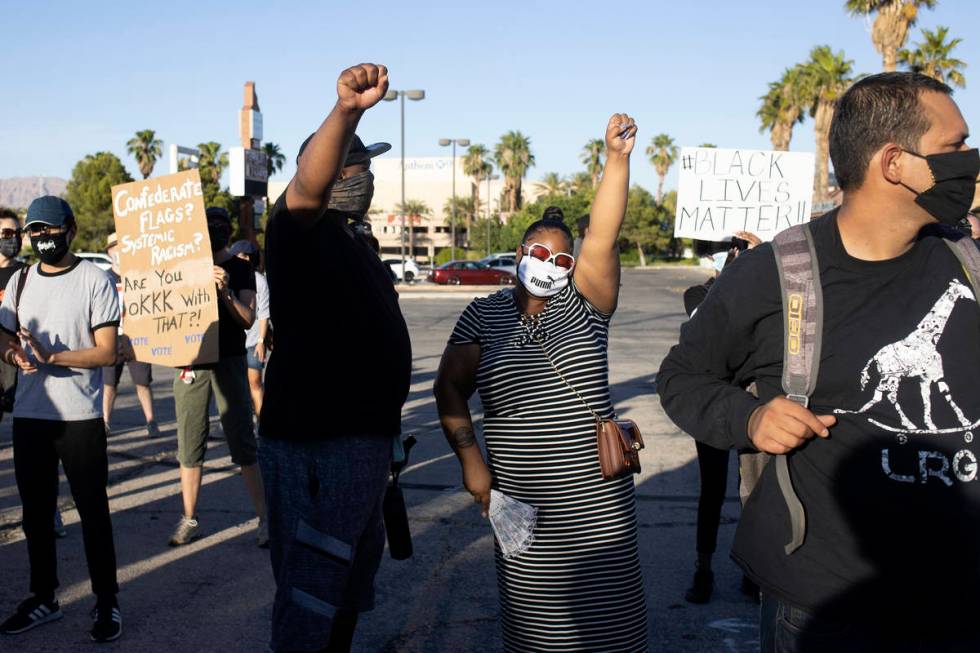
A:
(542, 278)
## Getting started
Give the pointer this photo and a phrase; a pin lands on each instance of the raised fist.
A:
(620, 134)
(361, 87)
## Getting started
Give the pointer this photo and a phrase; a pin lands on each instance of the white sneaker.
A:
(185, 532)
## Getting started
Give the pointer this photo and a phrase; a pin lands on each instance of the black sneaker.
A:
(107, 621)
(30, 614)
(700, 590)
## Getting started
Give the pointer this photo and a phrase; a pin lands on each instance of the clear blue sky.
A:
(79, 77)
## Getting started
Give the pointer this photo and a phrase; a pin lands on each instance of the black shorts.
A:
(142, 373)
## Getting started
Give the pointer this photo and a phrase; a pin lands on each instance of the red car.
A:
(470, 273)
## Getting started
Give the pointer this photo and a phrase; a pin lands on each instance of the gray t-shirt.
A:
(261, 309)
(62, 311)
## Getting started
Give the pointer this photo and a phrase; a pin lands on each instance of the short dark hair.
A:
(8, 214)
(876, 110)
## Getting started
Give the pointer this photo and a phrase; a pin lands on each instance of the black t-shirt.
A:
(231, 333)
(6, 273)
(892, 498)
(694, 295)
(342, 363)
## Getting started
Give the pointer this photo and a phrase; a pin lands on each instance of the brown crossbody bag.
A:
(619, 440)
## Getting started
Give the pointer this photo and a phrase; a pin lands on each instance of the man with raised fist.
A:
(332, 409)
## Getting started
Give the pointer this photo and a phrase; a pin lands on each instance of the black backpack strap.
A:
(802, 296)
(21, 282)
(968, 254)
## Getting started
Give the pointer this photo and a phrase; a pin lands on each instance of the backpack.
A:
(802, 297)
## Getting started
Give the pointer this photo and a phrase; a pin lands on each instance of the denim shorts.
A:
(253, 361)
(326, 531)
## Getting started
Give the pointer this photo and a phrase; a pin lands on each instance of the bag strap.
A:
(564, 380)
(21, 282)
(968, 254)
(802, 298)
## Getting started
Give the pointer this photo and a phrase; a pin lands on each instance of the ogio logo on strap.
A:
(795, 322)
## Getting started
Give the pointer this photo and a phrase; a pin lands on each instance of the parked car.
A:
(412, 271)
(101, 260)
(506, 263)
(469, 273)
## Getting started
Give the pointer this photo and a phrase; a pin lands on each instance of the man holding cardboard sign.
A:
(226, 380)
(66, 312)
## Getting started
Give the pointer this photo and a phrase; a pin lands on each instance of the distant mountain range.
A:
(17, 192)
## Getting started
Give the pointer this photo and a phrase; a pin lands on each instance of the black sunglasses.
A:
(9, 233)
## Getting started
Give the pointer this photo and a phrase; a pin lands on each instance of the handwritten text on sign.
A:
(170, 309)
(723, 191)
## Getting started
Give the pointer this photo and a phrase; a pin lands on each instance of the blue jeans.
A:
(787, 629)
(326, 532)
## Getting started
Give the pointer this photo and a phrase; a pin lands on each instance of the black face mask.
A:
(9, 247)
(353, 195)
(50, 249)
(955, 174)
(219, 235)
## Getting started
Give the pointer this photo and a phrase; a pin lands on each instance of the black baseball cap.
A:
(50, 210)
(358, 152)
(218, 212)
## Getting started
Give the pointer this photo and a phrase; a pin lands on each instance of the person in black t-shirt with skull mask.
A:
(884, 458)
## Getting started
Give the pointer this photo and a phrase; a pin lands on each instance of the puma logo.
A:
(545, 285)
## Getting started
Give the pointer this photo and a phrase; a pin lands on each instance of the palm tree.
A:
(932, 57)
(513, 157)
(825, 79)
(412, 209)
(552, 184)
(893, 20)
(478, 168)
(782, 107)
(211, 162)
(662, 152)
(464, 207)
(146, 148)
(274, 158)
(592, 158)
(579, 183)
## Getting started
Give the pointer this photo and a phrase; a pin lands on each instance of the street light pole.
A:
(452, 203)
(489, 200)
(390, 96)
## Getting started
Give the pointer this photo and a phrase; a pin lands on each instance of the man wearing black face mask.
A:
(331, 411)
(65, 312)
(11, 241)
(226, 380)
(882, 452)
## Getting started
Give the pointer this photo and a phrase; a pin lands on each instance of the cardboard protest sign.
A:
(723, 191)
(170, 310)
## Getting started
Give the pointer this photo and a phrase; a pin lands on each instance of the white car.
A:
(412, 271)
(101, 260)
(503, 262)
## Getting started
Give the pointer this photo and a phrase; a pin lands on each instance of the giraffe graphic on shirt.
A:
(916, 358)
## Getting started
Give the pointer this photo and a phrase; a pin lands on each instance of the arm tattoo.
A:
(462, 438)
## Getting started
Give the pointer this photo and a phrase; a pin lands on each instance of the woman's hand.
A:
(477, 480)
(620, 135)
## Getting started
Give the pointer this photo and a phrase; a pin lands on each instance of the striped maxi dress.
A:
(579, 586)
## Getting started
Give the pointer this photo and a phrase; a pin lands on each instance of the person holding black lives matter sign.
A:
(66, 313)
(327, 443)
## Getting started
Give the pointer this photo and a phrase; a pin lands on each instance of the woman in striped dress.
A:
(578, 587)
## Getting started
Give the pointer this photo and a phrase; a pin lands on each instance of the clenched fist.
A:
(361, 87)
(620, 134)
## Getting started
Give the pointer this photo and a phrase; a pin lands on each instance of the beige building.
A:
(429, 180)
